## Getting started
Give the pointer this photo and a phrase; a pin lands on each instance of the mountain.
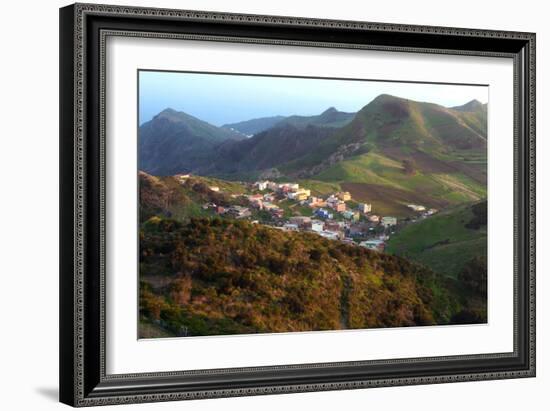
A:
(265, 150)
(471, 106)
(474, 114)
(392, 153)
(254, 126)
(396, 126)
(328, 118)
(174, 142)
(421, 125)
(397, 151)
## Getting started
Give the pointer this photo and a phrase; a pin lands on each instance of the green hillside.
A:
(475, 114)
(397, 152)
(445, 242)
(401, 129)
(454, 243)
(390, 184)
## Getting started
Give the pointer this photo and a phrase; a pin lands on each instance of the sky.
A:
(225, 98)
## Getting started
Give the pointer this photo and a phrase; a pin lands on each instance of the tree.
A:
(479, 218)
(474, 275)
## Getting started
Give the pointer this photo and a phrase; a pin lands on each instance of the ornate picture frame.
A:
(84, 30)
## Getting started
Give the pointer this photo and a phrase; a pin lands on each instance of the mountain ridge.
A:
(386, 122)
(254, 125)
(174, 141)
(394, 150)
(331, 117)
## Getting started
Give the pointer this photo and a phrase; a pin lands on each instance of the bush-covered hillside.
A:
(214, 276)
(447, 241)
(453, 243)
(169, 198)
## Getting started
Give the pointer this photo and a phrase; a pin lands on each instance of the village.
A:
(289, 207)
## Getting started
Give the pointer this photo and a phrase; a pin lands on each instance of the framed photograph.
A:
(261, 204)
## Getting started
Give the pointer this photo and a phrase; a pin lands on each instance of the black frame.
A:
(83, 30)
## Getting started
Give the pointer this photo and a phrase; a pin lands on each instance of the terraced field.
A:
(387, 183)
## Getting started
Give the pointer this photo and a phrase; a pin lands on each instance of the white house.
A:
(350, 215)
(182, 178)
(261, 185)
(317, 225)
(299, 195)
(273, 186)
(388, 221)
(377, 245)
(329, 234)
(364, 208)
(239, 212)
(299, 220)
(416, 207)
(291, 227)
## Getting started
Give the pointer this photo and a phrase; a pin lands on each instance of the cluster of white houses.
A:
(422, 210)
(350, 228)
(335, 202)
(323, 221)
(334, 230)
(324, 209)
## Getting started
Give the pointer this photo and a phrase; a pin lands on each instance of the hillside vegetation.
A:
(167, 197)
(453, 243)
(447, 241)
(214, 276)
(202, 275)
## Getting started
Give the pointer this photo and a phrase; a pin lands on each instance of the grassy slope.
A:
(380, 180)
(447, 149)
(441, 242)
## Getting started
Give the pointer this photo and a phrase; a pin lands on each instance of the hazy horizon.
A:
(228, 98)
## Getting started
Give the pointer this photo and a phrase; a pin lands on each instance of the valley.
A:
(297, 223)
